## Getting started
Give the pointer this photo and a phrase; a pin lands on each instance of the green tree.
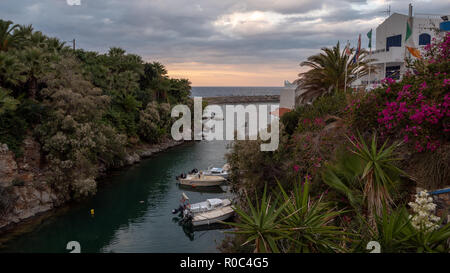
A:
(38, 64)
(7, 103)
(327, 72)
(7, 39)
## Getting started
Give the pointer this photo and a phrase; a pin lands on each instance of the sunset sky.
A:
(213, 43)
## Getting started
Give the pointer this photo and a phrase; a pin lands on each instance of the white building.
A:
(390, 49)
(287, 95)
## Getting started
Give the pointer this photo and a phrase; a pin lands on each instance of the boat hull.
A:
(199, 182)
(212, 217)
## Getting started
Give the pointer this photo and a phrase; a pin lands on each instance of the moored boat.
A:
(201, 180)
(214, 216)
(208, 212)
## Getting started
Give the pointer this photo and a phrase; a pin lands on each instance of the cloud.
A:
(205, 36)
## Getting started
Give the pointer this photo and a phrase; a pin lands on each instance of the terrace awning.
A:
(280, 112)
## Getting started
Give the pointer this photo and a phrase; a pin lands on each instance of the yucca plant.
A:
(261, 225)
(395, 233)
(310, 222)
(433, 241)
(393, 230)
(380, 174)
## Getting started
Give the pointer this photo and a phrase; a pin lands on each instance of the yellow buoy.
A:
(92, 211)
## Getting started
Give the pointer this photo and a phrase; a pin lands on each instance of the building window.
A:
(424, 39)
(393, 72)
(393, 41)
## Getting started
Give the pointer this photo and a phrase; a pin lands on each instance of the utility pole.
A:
(74, 44)
(387, 11)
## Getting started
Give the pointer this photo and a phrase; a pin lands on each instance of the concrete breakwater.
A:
(242, 99)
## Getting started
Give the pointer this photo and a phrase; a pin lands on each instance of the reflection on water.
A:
(133, 210)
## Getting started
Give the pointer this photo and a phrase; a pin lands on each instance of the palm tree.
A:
(7, 103)
(37, 64)
(327, 72)
(22, 36)
(11, 70)
(7, 38)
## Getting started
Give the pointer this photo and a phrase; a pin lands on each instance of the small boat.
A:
(201, 180)
(211, 217)
(208, 212)
(223, 172)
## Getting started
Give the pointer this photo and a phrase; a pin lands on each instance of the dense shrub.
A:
(312, 116)
(415, 109)
(84, 108)
(73, 137)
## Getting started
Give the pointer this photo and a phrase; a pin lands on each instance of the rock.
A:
(45, 197)
(8, 166)
(132, 159)
(26, 177)
(31, 158)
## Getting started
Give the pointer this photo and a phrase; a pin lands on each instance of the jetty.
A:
(242, 99)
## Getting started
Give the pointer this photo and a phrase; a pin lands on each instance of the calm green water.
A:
(122, 223)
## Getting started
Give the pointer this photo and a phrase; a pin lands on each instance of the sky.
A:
(213, 42)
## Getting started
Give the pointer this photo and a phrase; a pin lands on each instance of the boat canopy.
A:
(216, 170)
(214, 202)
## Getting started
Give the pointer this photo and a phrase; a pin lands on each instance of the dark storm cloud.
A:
(207, 31)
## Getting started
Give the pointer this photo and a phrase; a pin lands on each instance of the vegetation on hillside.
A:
(361, 155)
(84, 108)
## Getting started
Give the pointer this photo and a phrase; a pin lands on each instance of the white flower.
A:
(423, 207)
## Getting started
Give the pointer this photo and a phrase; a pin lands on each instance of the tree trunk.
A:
(33, 88)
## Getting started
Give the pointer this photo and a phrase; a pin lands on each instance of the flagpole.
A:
(369, 35)
(346, 65)
(370, 57)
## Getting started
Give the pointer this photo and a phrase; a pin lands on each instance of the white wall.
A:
(287, 98)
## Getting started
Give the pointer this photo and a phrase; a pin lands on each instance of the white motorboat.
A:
(223, 172)
(208, 212)
(201, 180)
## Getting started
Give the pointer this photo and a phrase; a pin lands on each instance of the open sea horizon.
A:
(220, 91)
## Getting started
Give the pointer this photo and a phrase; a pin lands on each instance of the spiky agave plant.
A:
(310, 222)
(261, 225)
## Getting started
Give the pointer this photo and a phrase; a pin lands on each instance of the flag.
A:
(358, 50)
(408, 31)
(348, 52)
(409, 43)
(414, 51)
(369, 35)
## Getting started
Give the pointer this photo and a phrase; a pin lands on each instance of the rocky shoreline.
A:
(24, 194)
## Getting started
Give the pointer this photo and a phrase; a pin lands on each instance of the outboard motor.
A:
(178, 210)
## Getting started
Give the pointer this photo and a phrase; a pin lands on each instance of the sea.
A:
(234, 91)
